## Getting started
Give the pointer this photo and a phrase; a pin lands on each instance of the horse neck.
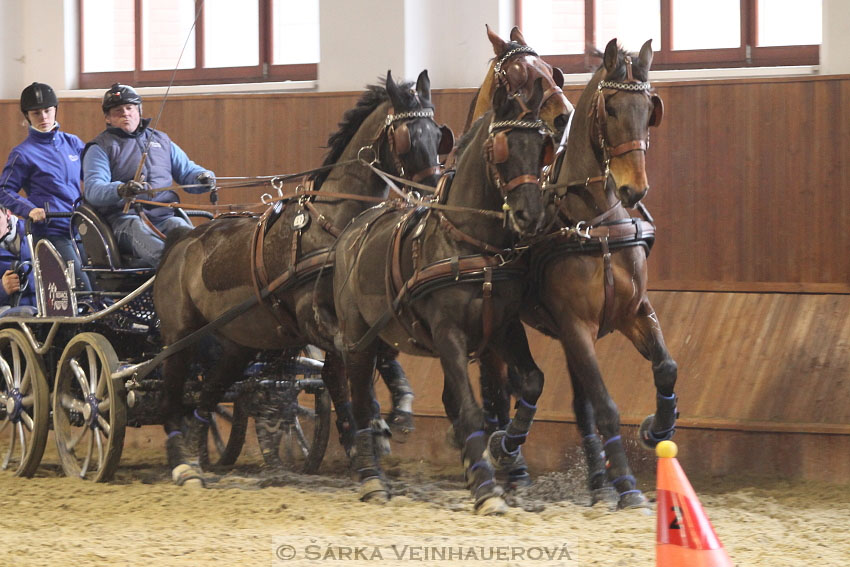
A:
(484, 97)
(355, 178)
(581, 162)
(473, 188)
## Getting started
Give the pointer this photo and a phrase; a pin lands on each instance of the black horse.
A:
(439, 282)
(222, 265)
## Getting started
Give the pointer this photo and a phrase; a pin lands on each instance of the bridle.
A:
(398, 137)
(496, 151)
(600, 115)
(515, 76)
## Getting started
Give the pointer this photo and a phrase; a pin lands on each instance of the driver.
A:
(110, 162)
(14, 250)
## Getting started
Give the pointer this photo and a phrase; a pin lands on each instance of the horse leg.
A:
(505, 446)
(495, 393)
(229, 366)
(360, 367)
(578, 346)
(645, 334)
(333, 375)
(401, 416)
(175, 370)
(468, 422)
(591, 442)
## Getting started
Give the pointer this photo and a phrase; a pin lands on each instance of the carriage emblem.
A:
(301, 220)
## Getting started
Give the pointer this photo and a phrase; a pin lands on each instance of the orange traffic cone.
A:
(685, 537)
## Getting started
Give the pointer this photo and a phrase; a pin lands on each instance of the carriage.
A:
(76, 364)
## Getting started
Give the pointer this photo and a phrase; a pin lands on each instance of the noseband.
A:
(398, 138)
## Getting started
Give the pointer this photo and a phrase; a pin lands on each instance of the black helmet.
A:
(37, 96)
(120, 94)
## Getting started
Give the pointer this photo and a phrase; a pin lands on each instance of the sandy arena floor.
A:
(253, 516)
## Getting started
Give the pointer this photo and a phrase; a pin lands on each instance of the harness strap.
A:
(519, 180)
(151, 225)
(486, 311)
(461, 236)
(606, 325)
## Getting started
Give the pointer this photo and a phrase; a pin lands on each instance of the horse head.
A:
(620, 111)
(518, 146)
(414, 140)
(516, 67)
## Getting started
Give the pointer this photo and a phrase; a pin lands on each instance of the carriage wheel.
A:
(89, 412)
(296, 436)
(226, 435)
(24, 404)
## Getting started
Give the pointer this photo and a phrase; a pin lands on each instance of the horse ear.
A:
(423, 86)
(612, 53)
(499, 45)
(392, 89)
(645, 57)
(516, 36)
(558, 76)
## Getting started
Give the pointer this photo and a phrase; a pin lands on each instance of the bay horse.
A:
(589, 274)
(515, 67)
(223, 264)
(438, 281)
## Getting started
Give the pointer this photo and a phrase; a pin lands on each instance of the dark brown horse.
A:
(589, 274)
(223, 264)
(438, 281)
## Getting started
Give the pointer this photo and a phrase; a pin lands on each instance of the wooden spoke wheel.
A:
(225, 436)
(24, 404)
(89, 411)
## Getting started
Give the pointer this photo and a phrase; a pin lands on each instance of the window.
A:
(685, 34)
(139, 42)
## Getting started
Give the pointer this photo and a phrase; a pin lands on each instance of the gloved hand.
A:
(206, 178)
(131, 188)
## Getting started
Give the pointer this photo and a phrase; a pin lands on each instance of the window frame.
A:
(747, 55)
(265, 71)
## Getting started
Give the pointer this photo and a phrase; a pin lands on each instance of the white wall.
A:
(835, 49)
(38, 42)
(360, 40)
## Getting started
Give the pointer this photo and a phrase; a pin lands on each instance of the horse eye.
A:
(610, 111)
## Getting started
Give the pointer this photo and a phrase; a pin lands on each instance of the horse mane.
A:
(639, 72)
(353, 118)
(468, 136)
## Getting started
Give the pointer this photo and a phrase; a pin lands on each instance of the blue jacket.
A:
(113, 157)
(46, 165)
(6, 257)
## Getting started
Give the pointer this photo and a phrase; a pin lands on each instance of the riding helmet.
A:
(118, 95)
(37, 96)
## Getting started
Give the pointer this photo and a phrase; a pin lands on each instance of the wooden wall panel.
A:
(746, 360)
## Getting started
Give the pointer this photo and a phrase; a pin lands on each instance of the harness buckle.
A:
(579, 233)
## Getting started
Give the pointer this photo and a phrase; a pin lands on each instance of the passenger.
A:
(14, 250)
(110, 162)
(46, 167)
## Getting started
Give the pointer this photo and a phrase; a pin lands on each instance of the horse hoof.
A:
(186, 475)
(401, 424)
(606, 495)
(493, 506)
(647, 439)
(373, 490)
(633, 501)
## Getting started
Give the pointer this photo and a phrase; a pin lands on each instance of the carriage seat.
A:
(111, 270)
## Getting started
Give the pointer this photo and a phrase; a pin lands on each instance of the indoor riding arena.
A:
(747, 274)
